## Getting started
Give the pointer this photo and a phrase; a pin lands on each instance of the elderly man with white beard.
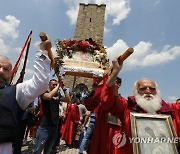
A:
(147, 95)
(146, 99)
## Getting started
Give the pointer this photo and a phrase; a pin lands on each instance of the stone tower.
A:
(90, 24)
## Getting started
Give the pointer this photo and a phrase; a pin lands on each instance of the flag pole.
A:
(21, 78)
(16, 66)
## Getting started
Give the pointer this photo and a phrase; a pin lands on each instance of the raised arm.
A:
(113, 76)
(46, 44)
(27, 91)
(49, 95)
(66, 97)
(110, 89)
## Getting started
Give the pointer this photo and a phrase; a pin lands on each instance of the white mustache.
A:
(148, 95)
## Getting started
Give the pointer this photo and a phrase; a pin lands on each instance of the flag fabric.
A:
(16, 66)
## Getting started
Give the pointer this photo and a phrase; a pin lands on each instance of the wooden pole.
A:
(121, 58)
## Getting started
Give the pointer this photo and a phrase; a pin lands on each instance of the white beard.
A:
(150, 106)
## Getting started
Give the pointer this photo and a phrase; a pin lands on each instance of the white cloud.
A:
(8, 29)
(106, 30)
(144, 55)
(117, 49)
(118, 10)
(172, 99)
(3, 47)
(73, 7)
(157, 2)
(17, 50)
(72, 13)
(162, 57)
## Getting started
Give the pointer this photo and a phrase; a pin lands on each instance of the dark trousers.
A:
(19, 139)
(57, 142)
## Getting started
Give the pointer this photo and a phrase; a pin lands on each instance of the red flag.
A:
(15, 68)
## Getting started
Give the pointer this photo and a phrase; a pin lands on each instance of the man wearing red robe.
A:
(68, 129)
(105, 123)
(146, 99)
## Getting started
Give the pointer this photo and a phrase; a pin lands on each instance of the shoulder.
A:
(121, 102)
(48, 43)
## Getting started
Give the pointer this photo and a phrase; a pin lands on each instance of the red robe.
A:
(176, 120)
(101, 142)
(68, 129)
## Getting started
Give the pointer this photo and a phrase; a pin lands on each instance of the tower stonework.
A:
(90, 24)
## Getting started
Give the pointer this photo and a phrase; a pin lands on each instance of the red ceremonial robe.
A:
(121, 108)
(68, 129)
(101, 142)
(176, 120)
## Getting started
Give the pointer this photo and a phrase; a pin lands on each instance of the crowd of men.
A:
(101, 119)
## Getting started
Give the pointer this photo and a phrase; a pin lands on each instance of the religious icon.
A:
(153, 134)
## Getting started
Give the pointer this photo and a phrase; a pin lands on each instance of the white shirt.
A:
(27, 91)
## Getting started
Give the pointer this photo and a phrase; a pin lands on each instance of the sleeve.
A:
(107, 98)
(176, 120)
(92, 102)
(119, 109)
(35, 103)
(117, 105)
(27, 91)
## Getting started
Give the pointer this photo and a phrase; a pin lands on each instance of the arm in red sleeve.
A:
(92, 102)
(176, 120)
(107, 98)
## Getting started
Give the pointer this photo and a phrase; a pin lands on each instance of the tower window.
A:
(90, 19)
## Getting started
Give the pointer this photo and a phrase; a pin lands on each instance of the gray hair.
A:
(5, 57)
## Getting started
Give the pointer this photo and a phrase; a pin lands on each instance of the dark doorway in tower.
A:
(81, 88)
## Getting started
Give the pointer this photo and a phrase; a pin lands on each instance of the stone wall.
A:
(90, 24)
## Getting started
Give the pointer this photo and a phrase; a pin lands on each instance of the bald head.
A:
(146, 86)
(5, 70)
(5, 60)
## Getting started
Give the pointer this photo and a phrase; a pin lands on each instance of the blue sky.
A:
(151, 27)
